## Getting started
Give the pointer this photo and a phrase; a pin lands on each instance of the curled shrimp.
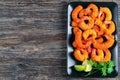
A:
(92, 28)
(84, 12)
(97, 55)
(89, 32)
(78, 39)
(107, 55)
(106, 44)
(80, 55)
(110, 27)
(76, 11)
(94, 10)
(86, 23)
(77, 34)
(107, 12)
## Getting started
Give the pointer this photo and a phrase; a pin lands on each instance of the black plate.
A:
(70, 38)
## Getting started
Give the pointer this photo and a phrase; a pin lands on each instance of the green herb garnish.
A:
(104, 67)
(93, 67)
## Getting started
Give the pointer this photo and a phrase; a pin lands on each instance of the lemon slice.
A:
(80, 67)
(88, 68)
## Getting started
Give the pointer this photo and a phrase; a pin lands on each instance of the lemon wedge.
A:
(80, 67)
(88, 68)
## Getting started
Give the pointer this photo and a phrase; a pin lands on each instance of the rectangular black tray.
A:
(70, 60)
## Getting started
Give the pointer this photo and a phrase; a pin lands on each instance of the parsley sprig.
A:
(104, 67)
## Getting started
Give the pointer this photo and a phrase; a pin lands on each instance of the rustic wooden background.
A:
(33, 39)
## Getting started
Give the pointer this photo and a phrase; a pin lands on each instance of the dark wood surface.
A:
(33, 40)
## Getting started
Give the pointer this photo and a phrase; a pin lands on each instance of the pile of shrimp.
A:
(93, 29)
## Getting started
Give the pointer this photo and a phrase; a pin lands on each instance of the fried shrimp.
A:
(89, 33)
(101, 55)
(87, 23)
(94, 10)
(107, 12)
(76, 11)
(78, 43)
(105, 45)
(93, 31)
(110, 27)
(97, 55)
(81, 55)
(107, 55)
(78, 33)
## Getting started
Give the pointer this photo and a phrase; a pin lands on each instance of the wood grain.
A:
(33, 39)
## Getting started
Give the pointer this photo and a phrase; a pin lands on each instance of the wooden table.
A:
(33, 40)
